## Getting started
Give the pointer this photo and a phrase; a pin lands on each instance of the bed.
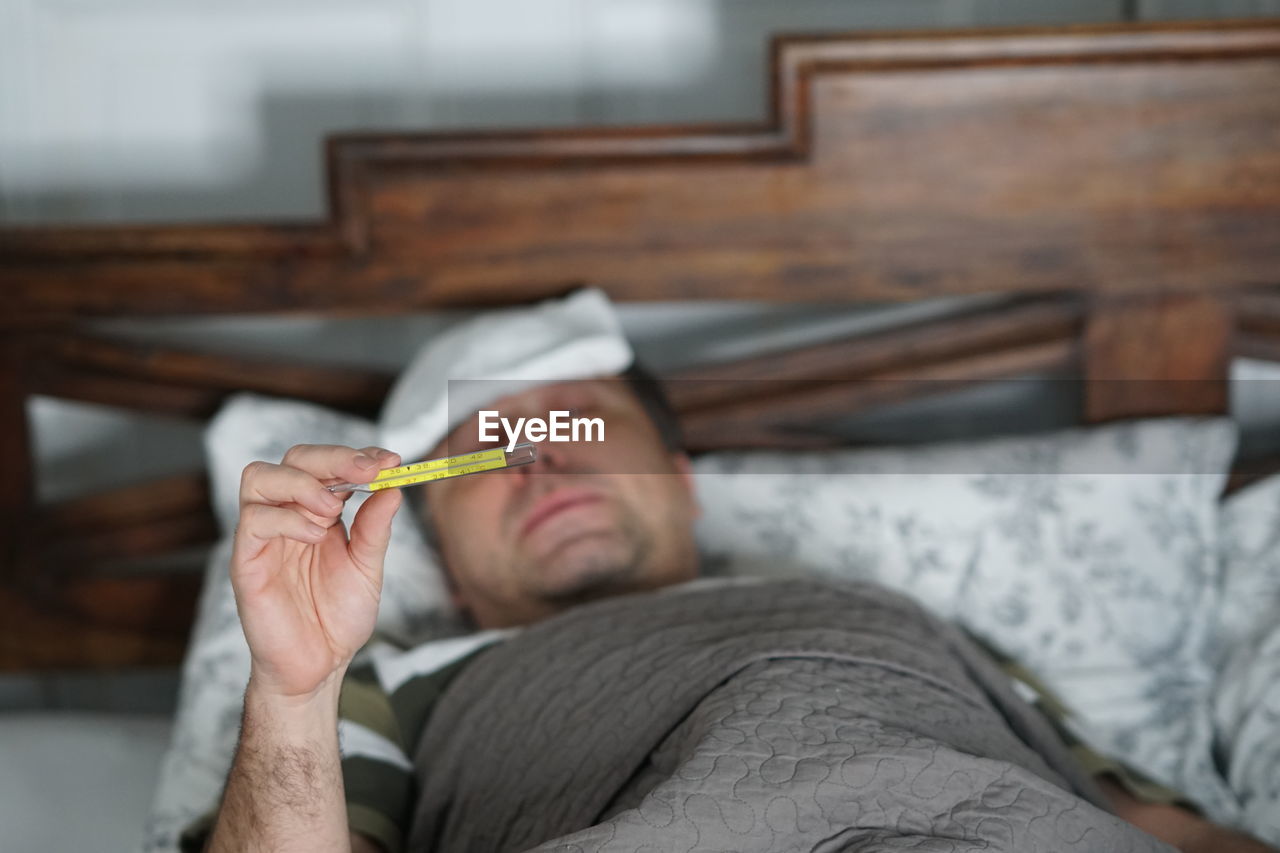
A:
(1116, 188)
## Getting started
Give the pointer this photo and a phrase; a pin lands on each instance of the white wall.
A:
(132, 110)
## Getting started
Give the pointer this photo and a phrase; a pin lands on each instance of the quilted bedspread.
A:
(764, 716)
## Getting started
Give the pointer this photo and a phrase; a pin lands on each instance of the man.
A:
(591, 527)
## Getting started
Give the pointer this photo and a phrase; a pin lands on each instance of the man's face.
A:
(586, 520)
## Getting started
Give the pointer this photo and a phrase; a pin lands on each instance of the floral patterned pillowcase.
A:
(1090, 555)
(1246, 699)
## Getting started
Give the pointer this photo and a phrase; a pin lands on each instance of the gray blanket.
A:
(750, 717)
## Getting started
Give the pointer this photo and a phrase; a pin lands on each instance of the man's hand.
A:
(308, 599)
(306, 592)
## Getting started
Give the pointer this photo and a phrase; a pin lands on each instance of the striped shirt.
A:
(383, 710)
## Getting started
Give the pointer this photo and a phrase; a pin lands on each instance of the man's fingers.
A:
(332, 461)
(371, 529)
(264, 483)
(290, 501)
(260, 523)
(298, 478)
(385, 458)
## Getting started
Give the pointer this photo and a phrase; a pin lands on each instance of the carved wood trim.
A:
(188, 384)
(1258, 320)
(97, 622)
(1157, 355)
(130, 523)
(17, 497)
(789, 407)
(775, 399)
(817, 203)
(869, 356)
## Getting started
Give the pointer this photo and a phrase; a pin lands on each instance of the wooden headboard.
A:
(1120, 183)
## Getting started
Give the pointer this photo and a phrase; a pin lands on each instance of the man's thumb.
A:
(371, 529)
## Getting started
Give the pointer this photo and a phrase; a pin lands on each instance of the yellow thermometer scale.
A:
(444, 468)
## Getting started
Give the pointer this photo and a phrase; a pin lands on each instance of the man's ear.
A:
(684, 467)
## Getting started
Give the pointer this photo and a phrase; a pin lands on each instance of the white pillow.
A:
(415, 603)
(1088, 554)
(1250, 525)
(1247, 694)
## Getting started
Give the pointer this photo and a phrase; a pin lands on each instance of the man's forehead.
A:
(540, 393)
(537, 397)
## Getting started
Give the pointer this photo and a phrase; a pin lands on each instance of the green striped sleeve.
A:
(379, 801)
(377, 774)
(412, 702)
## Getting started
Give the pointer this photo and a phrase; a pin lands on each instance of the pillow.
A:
(1246, 701)
(415, 603)
(1250, 526)
(1089, 555)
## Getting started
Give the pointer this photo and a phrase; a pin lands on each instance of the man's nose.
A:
(550, 458)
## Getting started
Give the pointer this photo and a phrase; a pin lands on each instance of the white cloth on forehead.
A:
(576, 337)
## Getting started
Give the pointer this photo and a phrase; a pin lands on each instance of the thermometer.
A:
(444, 468)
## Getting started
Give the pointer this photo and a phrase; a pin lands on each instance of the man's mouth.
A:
(555, 502)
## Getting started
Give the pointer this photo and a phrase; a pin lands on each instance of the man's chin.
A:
(586, 568)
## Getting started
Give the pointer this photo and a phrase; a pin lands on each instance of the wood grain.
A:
(800, 409)
(97, 622)
(171, 381)
(128, 523)
(15, 457)
(1114, 158)
(871, 356)
(1157, 355)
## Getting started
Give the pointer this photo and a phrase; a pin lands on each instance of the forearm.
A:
(1211, 838)
(285, 788)
(1186, 831)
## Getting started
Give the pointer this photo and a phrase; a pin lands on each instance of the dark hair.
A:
(648, 390)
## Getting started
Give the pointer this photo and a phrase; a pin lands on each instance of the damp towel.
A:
(575, 337)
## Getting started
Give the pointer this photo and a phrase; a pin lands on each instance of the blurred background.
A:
(146, 111)
(116, 111)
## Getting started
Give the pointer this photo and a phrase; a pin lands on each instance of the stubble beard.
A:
(617, 567)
